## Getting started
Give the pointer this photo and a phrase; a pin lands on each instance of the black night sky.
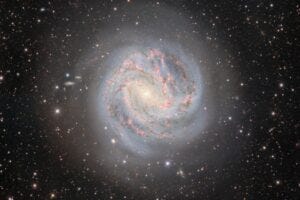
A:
(66, 132)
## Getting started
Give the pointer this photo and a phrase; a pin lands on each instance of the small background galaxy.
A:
(155, 100)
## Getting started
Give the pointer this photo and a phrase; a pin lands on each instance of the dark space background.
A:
(263, 38)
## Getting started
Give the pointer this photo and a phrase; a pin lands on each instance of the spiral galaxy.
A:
(151, 94)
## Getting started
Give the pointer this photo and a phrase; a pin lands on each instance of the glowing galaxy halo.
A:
(150, 88)
(149, 93)
(152, 95)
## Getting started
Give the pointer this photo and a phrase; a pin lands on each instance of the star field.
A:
(149, 100)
